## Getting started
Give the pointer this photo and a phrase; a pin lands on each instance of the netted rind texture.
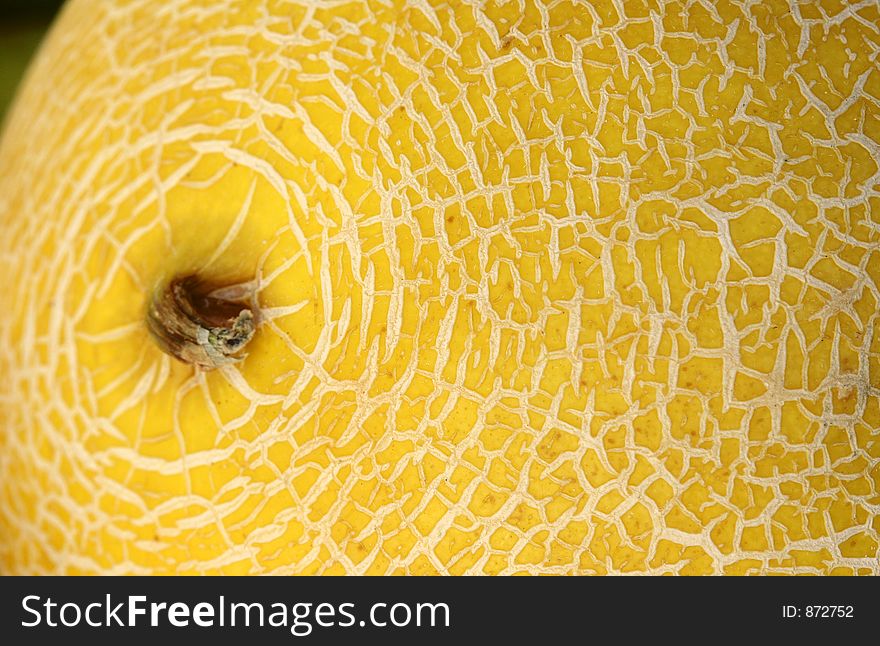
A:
(554, 287)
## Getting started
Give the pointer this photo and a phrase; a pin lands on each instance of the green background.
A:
(22, 25)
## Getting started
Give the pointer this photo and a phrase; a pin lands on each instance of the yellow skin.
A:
(562, 288)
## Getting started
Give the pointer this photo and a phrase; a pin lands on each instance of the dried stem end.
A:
(204, 327)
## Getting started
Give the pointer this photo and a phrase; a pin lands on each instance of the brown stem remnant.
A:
(201, 326)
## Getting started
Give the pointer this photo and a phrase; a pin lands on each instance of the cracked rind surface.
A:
(544, 288)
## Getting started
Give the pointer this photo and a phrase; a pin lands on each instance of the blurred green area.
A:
(16, 50)
(23, 23)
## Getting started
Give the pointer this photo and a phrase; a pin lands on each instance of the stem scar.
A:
(202, 326)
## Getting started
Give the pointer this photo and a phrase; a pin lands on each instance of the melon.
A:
(443, 288)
